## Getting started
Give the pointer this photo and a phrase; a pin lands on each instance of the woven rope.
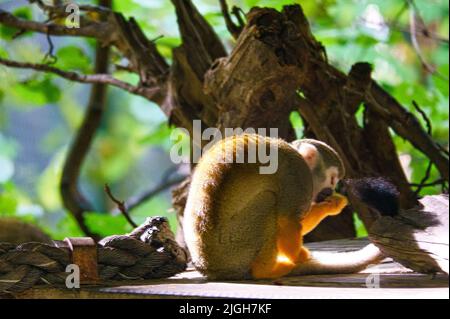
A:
(150, 251)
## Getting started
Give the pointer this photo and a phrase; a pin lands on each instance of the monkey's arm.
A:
(333, 205)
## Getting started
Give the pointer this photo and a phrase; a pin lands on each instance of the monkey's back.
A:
(231, 212)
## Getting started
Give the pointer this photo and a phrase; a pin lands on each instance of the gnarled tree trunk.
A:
(277, 67)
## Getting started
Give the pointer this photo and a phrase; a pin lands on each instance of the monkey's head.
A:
(325, 163)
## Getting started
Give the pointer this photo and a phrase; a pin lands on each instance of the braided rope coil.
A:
(150, 251)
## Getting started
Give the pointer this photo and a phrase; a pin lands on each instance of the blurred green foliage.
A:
(39, 113)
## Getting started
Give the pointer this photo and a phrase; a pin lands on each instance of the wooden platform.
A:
(394, 280)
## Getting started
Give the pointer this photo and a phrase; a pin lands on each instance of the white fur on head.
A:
(309, 153)
(332, 177)
(330, 180)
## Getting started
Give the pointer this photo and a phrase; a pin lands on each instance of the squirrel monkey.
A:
(239, 223)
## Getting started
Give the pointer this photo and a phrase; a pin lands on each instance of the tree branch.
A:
(201, 43)
(110, 29)
(100, 31)
(414, 19)
(406, 125)
(165, 183)
(148, 93)
(144, 197)
(394, 25)
(121, 206)
(234, 29)
(439, 181)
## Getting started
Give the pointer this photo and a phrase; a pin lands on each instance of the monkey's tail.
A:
(339, 263)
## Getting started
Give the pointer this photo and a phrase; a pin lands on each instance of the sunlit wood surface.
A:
(394, 280)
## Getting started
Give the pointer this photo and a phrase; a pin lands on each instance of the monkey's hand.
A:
(332, 205)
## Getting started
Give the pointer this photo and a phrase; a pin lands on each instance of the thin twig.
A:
(126, 68)
(60, 7)
(159, 37)
(83, 78)
(424, 179)
(424, 116)
(121, 206)
(234, 29)
(165, 183)
(18, 34)
(49, 56)
(146, 196)
(428, 123)
(100, 30)
(394, 26)
(434, 183)
(398, 15)
(415, 17)
(423, 183)
(238, 13)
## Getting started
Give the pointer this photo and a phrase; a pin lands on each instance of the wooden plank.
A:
(417, 238)
(237, 290)
(395, 281)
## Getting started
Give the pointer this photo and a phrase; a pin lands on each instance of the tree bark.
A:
(277, 67)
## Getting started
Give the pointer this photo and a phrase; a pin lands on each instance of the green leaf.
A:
(359, 115)
(366, 40)
(23, 13)
(73, 58)
(8, 32)
(47, 185)
(158, 136)
(297, 124)
(442, 84)
(3, 54)
(359, 226)
(8, 203)
(37, 92)
(106, 225)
